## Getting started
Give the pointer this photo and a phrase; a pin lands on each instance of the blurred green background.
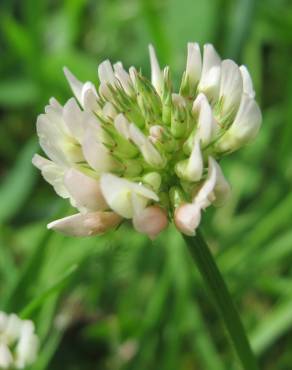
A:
(120, 301)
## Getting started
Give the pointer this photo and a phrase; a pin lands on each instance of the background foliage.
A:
(119, 301)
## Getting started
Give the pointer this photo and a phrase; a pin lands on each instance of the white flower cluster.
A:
(135, 149)
(18, 342)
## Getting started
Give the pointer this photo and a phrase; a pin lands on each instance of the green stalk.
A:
(219, 292)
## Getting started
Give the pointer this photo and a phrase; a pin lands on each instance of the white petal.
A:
(54, 103)
(197, 104)
(51, 139)
(187, 218)
(156, 73)
(6, 359)
(149, 152)
(210, 59)
(122, 125)
(133, 75)
(96, 154)
(215, 189)
(210, 78)
(106, 73)
(194, 168)
(117, 193)
(247, 82)
(207, 126)
(74, 119)
(74, 83)
(52, 173)
(109, 110)
(27, 346)
(194, 63)
(124, 78)
(245, 126)
(89, 97)
(13, 328)
(84, 190)
(104, 91)
(86, 224)
(231, 87)
(56, 139)
(206, 196)
(150, 221)
(222, 188)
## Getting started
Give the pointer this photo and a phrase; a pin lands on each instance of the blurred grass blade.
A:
(16, 93)
(275, 324)
(19, 294)
(240, 23)
(18, 183)
(222, 299)
(55, 288)
(49, 350)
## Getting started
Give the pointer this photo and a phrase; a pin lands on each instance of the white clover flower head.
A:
(137, 149)
(18, 342)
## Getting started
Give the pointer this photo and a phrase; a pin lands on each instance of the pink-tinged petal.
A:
(86, 224)
(84, 190)
(150, 221)
(187, 218)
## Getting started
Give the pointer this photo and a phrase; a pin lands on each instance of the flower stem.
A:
(222, 299)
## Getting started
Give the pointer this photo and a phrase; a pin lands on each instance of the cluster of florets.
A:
(18, 342)
(135, 149)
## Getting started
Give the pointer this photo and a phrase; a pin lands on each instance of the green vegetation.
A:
(121, 302)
